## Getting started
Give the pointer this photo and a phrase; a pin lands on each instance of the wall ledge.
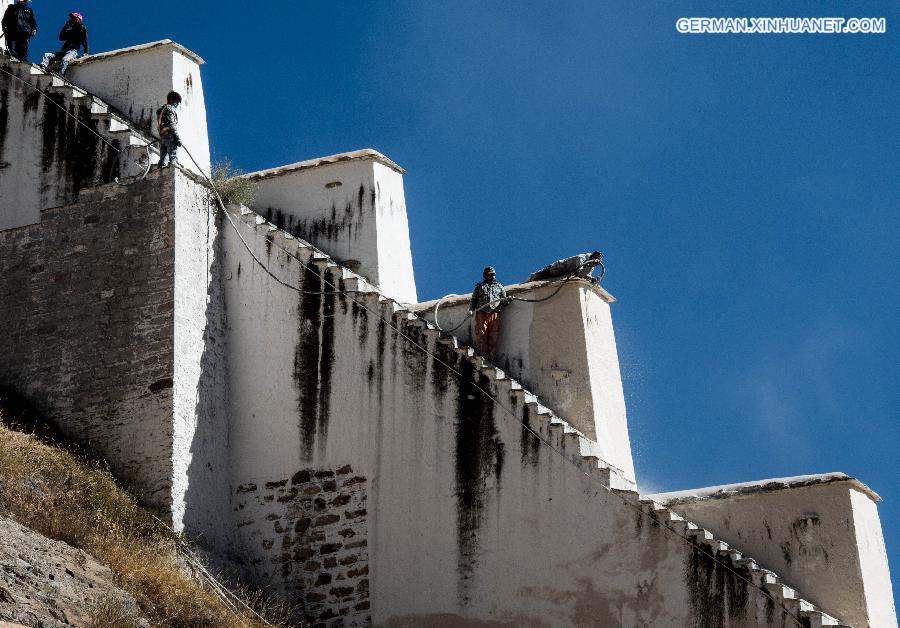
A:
(193, 56)
(761, 486)
(364, 153)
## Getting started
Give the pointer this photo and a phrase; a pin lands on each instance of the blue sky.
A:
(743, 188)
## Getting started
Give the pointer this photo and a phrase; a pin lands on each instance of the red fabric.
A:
(76, 16)
(487, 328)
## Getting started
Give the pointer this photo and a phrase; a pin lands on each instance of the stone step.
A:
(114, 123)
(127, 138)
(818, 619)
(357, 284)
(68, 90)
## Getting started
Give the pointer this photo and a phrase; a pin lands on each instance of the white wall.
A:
(821, 534)
(200, 495)
(352, 207)
(873, 561)
(136, 81)
(468, 519)
(395, 269)
(564, 350)
(46, 157)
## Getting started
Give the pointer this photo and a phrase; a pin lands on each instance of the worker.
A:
(74, 35)
(577, 266)
(167, 123)
(19, 26)
(487, 299)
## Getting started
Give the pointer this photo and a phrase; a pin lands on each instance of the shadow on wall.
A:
(207, 496)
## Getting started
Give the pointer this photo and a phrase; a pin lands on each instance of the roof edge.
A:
(762, 486)
(193, 56)
(363, 153)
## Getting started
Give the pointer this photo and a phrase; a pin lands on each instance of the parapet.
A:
(350, 205)
(559, 341)
(135, 80)
(819, 532)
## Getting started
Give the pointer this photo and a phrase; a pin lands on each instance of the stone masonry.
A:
(87, 297)
(315, 541)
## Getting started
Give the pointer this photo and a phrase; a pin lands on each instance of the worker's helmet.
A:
(76, 16)
(596, 255)
(488, 270)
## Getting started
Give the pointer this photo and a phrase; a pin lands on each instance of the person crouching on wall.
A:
(487, 299)
(74, 35)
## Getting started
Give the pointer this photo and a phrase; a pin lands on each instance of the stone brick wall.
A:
(87, 300)
(312, 530)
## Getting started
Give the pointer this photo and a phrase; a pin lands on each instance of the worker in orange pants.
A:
(487, 299)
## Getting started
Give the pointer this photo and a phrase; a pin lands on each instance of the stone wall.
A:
(118, 337)
(88, 297)
(314, 541)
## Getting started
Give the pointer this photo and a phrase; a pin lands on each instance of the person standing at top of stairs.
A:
(19, 26)
(74, 35)
(167, 122)
(487, 299)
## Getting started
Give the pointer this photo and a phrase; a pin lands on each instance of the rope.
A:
(390, 322)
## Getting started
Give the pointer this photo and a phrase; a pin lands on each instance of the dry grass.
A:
(72, 499)
(109, 612)
(232, 187)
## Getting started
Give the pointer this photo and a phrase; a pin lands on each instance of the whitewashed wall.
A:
(200, 492)
(136, 81)
(352, 207)
(564, 350)
(821, 534)
(46, 157)
(467, 519)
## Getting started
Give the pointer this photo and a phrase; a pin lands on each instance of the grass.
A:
(67, 496)
(232, 187)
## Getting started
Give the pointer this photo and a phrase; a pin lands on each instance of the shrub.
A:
(231, 186)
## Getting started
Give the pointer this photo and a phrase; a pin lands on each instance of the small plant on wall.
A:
(233, 187)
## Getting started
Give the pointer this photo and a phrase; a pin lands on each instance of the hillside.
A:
(75, 548)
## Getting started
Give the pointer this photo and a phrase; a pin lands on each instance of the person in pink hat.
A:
(74, 35)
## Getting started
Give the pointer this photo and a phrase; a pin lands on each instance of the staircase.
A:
(572, 443)
(108, 123)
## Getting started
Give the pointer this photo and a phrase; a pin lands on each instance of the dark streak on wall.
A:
(529, 444)
(4, 122)
(306, 359)
(314, 358)
(72, 157)
(718, 596)
(479, 455)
